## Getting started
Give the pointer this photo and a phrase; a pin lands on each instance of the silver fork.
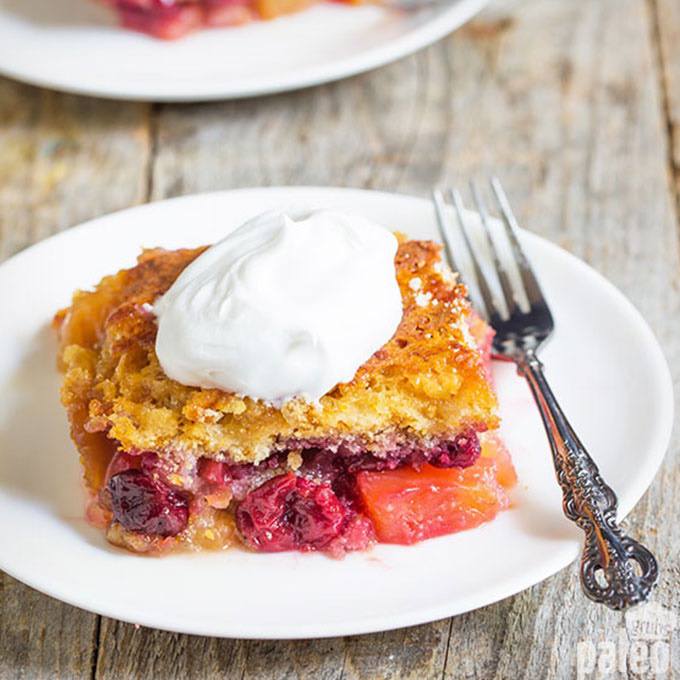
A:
(615, 569)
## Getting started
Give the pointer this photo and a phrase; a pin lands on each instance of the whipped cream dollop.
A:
(282, 307)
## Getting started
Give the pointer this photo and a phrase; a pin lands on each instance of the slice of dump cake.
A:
(171, 19)
(402, 449)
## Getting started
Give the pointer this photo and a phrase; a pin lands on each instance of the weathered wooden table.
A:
(575, 103)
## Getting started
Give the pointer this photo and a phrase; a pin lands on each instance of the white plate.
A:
(603, 361)
(75, 45)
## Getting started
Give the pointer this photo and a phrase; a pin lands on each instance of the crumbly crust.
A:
(429, 380)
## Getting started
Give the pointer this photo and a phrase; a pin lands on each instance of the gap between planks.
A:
(662, 67)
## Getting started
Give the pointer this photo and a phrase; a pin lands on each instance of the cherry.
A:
(462, 451)
(144, 503)
(290, 513)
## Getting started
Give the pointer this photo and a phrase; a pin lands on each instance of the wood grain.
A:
(574, 104)
(43, 638)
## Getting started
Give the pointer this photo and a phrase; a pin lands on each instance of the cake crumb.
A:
(294, 460)
(423, 299)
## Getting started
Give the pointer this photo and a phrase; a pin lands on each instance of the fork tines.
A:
(511, 303)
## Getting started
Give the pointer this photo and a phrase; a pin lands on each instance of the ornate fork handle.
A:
(615, 569)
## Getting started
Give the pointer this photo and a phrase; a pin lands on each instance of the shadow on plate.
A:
(545, 522)
(37, 458)
(59, 13)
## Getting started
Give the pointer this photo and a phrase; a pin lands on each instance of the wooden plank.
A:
(64, 159)
(563, 101)
(41, 637)
(130, 651)
(127, 651)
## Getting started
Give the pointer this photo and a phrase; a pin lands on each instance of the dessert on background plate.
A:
(309, 383)
(171, 19)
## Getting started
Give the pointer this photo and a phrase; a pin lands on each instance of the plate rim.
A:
(422, 36)
(561, 558)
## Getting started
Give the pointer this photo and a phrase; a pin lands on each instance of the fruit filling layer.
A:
(172, 19)
(334, 501)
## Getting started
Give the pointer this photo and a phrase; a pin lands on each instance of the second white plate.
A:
(75, 45)
(603, 361)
